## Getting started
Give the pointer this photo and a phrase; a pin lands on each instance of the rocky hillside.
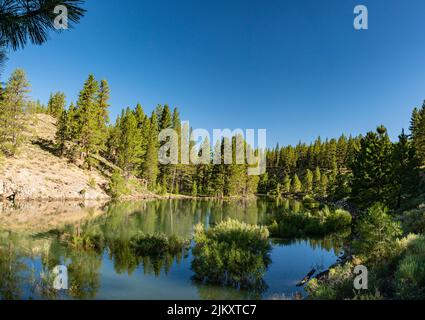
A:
(36, 173)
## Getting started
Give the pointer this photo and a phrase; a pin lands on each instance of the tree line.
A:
(363, 169)
(84, 133)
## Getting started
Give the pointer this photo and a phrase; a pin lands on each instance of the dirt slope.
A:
(37, 174)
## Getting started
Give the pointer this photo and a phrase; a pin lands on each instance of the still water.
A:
(34, 238)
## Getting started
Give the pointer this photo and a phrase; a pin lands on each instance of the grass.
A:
(288, 224)
(232, 254)
(396, 264)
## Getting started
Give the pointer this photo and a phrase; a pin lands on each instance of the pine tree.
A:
(406, 169)
(341, 154)
(286, 185)
(30, 20)
(372, 170)
(13, 112)
(88, 134)
(218, 171)
(316, 180)
(165, 171)
(144, 124)
(165, 121)
(308, 182)
(323, 185)
(102, 112)
(40, 108)
(129, 148)
(331, 149)
(72, 118)
(56, 104)
(204, 169)
(113, 142)
(417, 127)
(176, 125)
(140, 115)
(236, 176)
(252, 184)
(296, 185)
(150, 163)
(62, 133)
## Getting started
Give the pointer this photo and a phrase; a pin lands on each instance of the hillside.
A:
(36, 173)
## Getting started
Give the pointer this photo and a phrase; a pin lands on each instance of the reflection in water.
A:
(96, 243)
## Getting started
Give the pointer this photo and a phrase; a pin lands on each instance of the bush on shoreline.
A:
(395, 265)
(232, 253)
(318, 223)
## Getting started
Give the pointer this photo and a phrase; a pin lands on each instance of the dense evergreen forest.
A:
(363, 169)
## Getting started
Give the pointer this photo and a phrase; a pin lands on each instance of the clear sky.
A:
(296, 68)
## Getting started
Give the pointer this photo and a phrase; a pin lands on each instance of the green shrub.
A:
(339, 219)
(232, 253)
(396, 266)
(319, 223)
(377, 233)
(117, 185)
(310, 203)
(337, 285)
(157, 245)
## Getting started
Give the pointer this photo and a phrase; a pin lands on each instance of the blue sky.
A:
(296, 68)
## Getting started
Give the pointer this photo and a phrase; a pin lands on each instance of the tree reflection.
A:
(120, 234)
(11, 268)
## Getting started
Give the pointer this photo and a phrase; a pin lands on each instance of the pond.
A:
(35, 237)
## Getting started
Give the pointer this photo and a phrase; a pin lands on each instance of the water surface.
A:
(34, 238)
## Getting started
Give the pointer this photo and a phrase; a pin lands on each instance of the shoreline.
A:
(139, 197)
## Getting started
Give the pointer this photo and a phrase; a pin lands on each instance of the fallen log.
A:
(306, 278)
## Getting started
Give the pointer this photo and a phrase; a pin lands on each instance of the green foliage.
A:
(286, 187)
(157, 245)
(308, 182)
(372, 170)
(56, 104)
(194, 192)
(405, 170)
(410, 274)
(87, 133)
(129, 145)
(14, 112)
(323, 187)
(325, 159)
(317, 180)
(397, 273)
(376, 233)
(232, 253)
(309, 202)
(118, 185)
(417, 127)
(413, 221)
(289, 224)
(63, 132)
(150, 162)
(338, 285)
(296, 185)
(31, 20)
(341, 187)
